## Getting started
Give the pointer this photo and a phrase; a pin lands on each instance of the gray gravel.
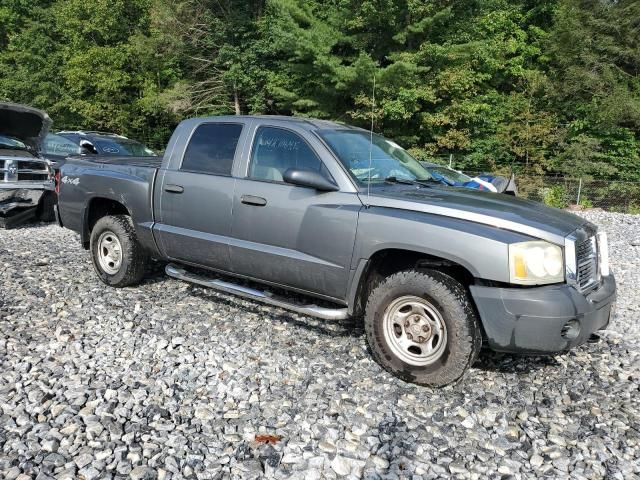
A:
(172, 381)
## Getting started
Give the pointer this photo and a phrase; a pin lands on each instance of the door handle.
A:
(173, 188)
(253, 200)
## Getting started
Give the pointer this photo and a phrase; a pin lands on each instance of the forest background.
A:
(546, 87)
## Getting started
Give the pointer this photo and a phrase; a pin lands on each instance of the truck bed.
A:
(90, 183)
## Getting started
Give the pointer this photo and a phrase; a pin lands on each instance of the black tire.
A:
(44, 210)
(449, 298)
(134, 261)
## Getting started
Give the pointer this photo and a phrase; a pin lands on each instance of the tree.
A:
(594, 51)
(550, 85)
(529, 133)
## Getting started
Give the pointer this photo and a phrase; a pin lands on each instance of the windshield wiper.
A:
(406, 181)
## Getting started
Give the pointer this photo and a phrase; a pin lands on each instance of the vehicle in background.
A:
(57, 148)
(355, 225)
(455, 178)
(26, 176)
(104, 143)
(502, 184)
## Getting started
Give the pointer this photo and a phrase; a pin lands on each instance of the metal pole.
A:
(579, 189)
(450, 159)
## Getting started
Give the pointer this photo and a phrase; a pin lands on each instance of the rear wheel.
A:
(422, 328)
(118, 258)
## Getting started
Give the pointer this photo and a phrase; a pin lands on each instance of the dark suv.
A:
(103, 143)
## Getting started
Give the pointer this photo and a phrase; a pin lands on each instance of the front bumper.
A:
(534, 320)
(19, 198)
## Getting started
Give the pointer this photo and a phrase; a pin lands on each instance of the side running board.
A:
(258, 295)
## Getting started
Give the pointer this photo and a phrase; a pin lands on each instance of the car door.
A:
(197, 196)
(290, 235)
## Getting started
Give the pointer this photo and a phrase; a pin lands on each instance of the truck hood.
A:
(24, 123)
(502, 211)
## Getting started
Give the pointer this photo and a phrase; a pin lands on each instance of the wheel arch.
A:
(389, 260)
(96, 208)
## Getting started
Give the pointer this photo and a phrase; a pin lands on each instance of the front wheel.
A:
(45, 210)
(421, 327)
(118, 258)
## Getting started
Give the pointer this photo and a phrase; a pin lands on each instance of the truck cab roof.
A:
(308, 123)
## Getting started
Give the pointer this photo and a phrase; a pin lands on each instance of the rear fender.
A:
(88, 211)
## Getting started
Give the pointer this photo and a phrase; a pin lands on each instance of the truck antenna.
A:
(373, 107)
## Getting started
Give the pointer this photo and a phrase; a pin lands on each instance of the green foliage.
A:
(83, 63)
(555, 196)
(585, 202)
(594, 53)
(540, 87)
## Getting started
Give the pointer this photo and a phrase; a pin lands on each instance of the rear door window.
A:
(212, 148)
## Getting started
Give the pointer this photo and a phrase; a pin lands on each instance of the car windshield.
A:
(61, 146)
(448, 174)
(122, 147)
(11, 143)
(373, 158)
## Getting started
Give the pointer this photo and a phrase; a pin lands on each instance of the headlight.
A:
(603, 253)
(535, 263)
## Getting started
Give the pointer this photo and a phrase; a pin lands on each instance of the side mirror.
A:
(309, 178)
(87, 147)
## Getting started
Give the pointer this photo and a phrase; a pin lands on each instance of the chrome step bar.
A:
(265, 297)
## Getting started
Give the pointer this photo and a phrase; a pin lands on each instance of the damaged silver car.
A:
(26, 177)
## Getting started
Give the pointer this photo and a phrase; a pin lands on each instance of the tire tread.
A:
(135, 258)
(451, 295)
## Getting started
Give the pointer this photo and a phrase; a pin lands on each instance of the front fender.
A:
(481, 249)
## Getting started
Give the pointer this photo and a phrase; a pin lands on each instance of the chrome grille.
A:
(15, 169)
(587, 263)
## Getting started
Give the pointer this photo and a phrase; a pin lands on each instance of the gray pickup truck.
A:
(349, 220)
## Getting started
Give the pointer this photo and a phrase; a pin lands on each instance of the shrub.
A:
(634, 209)
(555, 196)
(585, 202)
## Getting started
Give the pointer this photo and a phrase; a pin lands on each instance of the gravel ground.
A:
(172, 381)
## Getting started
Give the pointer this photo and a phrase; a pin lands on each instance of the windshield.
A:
(11, 143)
(61, 146)
(388, 159)
(447, 174)
(122, 147)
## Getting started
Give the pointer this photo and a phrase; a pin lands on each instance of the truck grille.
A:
(587, 263)
(16, 169)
